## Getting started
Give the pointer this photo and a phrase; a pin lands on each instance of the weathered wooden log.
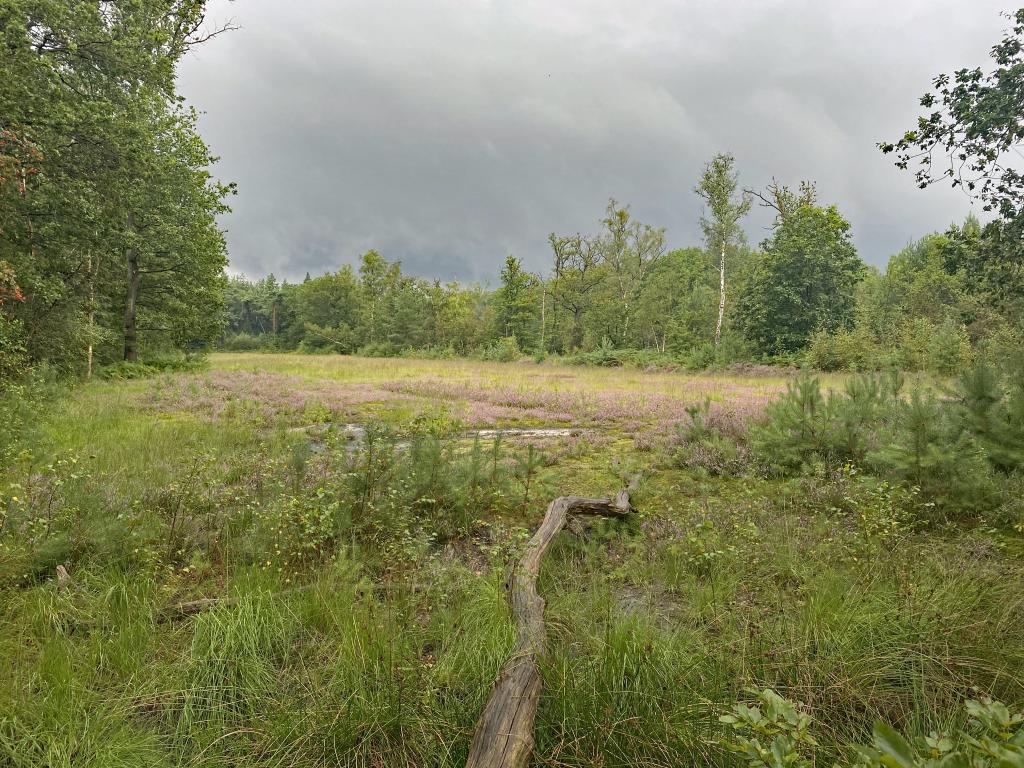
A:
(179, 611)
(193, 607)
(504, 732)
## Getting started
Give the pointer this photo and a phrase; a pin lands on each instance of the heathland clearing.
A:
(402, 524)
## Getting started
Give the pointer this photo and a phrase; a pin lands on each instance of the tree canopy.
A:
(803, 280)
(107, 208)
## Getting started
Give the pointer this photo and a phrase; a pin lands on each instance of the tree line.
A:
(802, 295)
(109, 242)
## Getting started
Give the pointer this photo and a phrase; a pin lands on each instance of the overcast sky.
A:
(450, 133)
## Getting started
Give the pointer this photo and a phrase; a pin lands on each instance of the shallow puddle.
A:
(355, 434)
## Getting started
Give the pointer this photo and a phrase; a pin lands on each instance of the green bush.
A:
(340, 339)
(923, 345)
(823, 353)
(948, 349)
(607, 355)
(700, 357)
(805, 426)
(378, 349)
(947, 448)
(125, 370)
(394, 492)
(701, 444)
(430, 353)
(13, 361)
(504, 350)
(152, 366)
(774, 733)
(992, 410)
(20, 403)
(243, 342)
(926, 450)
(843, 350)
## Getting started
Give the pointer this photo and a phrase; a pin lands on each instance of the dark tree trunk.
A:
(131, 334)
(576, 341)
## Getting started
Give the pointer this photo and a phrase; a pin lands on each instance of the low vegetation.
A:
(361, 519)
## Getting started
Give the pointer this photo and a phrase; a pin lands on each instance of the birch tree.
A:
(721, 218)
(631, 250)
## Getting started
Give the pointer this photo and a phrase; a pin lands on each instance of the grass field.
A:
(373, 484)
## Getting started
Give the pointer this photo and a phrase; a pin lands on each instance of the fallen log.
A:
(178, 611)
(504, 732)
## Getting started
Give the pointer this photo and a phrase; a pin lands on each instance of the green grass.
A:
(655, 625)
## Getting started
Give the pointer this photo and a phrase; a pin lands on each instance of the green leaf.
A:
(953, 760)
(1010, 759)
(896, 752)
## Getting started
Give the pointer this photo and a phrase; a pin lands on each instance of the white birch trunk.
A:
(721, 297)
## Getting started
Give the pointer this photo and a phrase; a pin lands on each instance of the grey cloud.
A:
(449, 133)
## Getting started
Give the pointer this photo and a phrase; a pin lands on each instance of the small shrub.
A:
(439, 423)
(21, 402)
(13, 360)
(913, 341)
(430, 353)
(303, 529)
(504, 350)
(125, 370)
(603, 355)
(378, 349)
(704, 549)
(937, 446)
(805, 426)
(608, 356)
(775, 721)
(928, 452)
(842, 350)
(775, 733)
(823, 352)
(703, 444)
(400, 495)
(340, 339)
(242, 342)
(884, 511)
(949, 348)
(993, 412)
(700, 357)
(798, 427)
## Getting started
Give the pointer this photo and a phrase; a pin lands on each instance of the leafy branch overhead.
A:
(973, 133)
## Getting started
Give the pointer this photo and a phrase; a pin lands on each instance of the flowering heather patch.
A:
(485, 402)
(477, 396)
(477, 413)
(222, 393)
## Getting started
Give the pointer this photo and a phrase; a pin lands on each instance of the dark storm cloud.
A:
(448, 134)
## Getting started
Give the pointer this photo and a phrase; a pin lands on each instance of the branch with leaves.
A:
(974, 130)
